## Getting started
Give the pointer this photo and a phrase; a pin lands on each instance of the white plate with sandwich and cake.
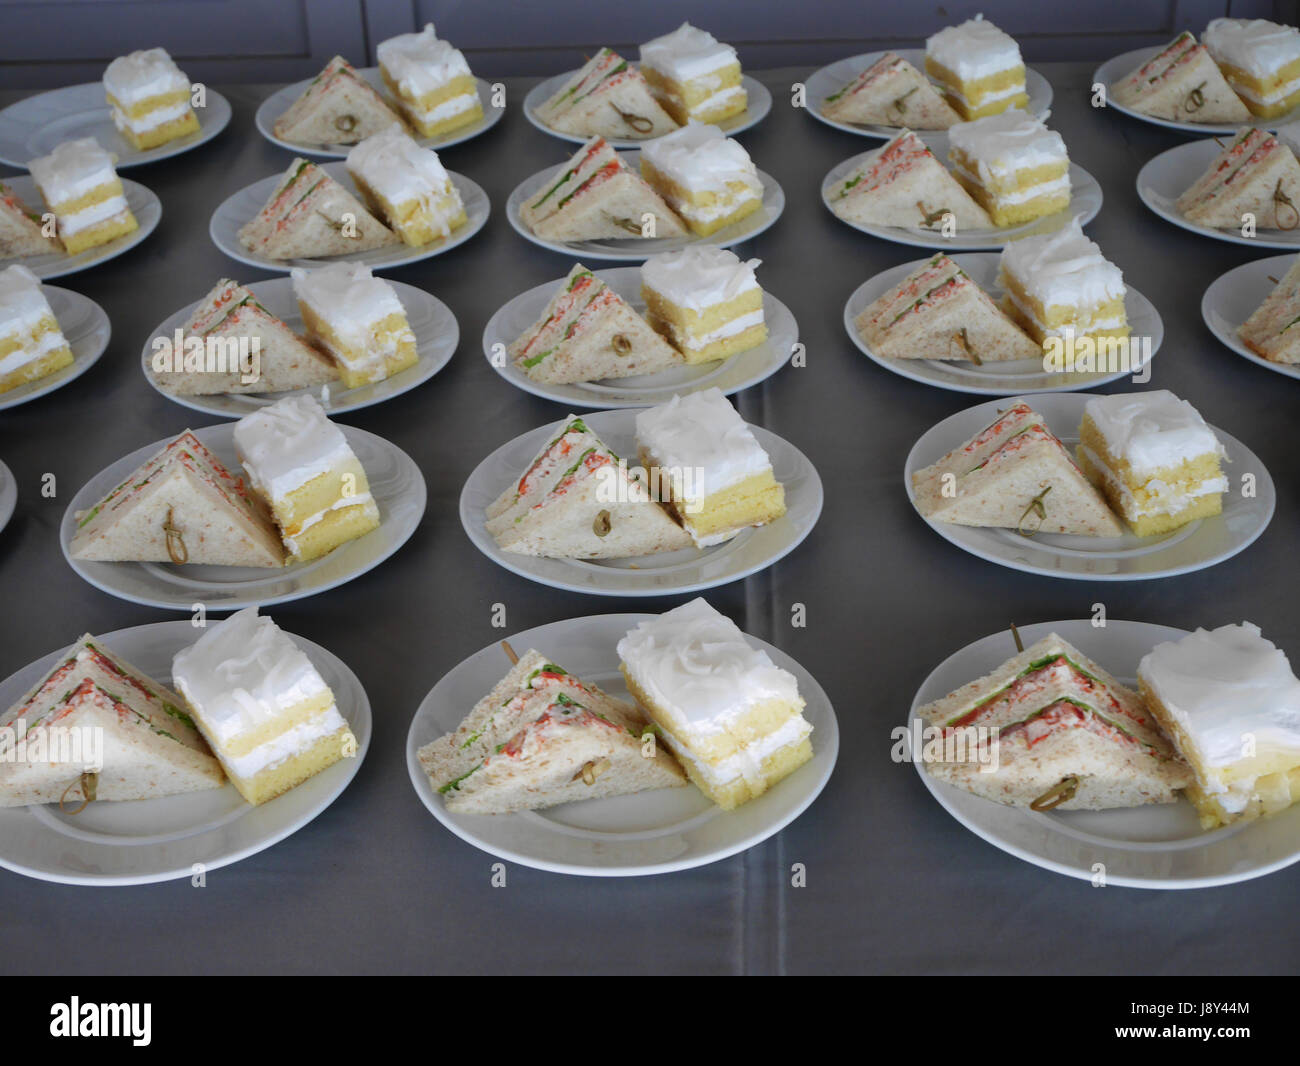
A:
(1121, 753)
(1123, 487)
(623, 745)
(72, 335)
(656, 502)
(1254, 310)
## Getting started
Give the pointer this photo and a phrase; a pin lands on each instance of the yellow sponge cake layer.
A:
(293, 771)
(981, 97)
(714, 333)
(706, 177)
(710, 98)
(155, 120)
(705, 210)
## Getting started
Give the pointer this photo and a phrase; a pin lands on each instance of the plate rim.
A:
(8, 495)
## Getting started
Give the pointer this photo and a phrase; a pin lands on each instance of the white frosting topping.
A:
(701, 157)
(1063, 268)
(348, 297)
(687, 53)
(1223, 684)
(703, 440)
(22, 303)
(289, 442)
(1152, 430)
(72, 170)
(699, 276)
(140, 75)
(1000, 145)
(975, 49)
(398, 169)
(419, 62)
(1257, 46)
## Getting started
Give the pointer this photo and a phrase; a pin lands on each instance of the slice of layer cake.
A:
(1255, 175)
(890, 92)
(1014, 166)
(182, 506)
(705, 301)
(540, 738)
(903, 184)
(1181, 83)
(939, 312)
(1261, 61)
(578, 500)
(596, 196)
(1155, 459)
(608, 97)
(1273, 329)
(22, 230)
(150, 98)
(733, 718)
(357, 319)
(431, 81)
(32, 345)
(1050, 729)
(589, 333)
(705, 463)
(338, 107)
(694, 75)
(978, 67)
(705, 176)
(1014, 474)
(83, 190)
(301, 465)
(96, 728)
(1060, 285)
(309, 215)
(407, 187)
(232, 344)
(1231, 703)
(264, 708)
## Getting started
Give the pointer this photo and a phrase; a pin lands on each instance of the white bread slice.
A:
(1181, 84)
(891, 92)
(1266, 184)
(1273, 329)
(338, 107)
(608, 97)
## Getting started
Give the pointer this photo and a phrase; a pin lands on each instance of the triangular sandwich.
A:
(20, 229)
(891, 92)
(608, 97)
(1182, 83)
(338, 107)
(182, 506)
(1273, 330)
(1051, 729)
(578, 500)
(540, 738)
(1014, 474)
(1257, 175)
(96, 728)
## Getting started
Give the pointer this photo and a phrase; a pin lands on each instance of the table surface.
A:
(894, 884)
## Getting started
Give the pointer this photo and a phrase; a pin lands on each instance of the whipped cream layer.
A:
(746, 763)
(419, 62)
(702, 434)
(699, 276)
(289, 442)
(1064, 268)
(144, 74)
(22, 303)
(1152, 430)
(73, 169)
(975, 49)
(700, 158)
(687, 53)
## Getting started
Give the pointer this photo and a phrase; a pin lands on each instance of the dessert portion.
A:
(431, 82)
(694, 75)
(32, 345)
(597, 196)
(80, 186)
(1014, 474)
(1059, 285)
(589, 333)
(978, 68)
(1180, 83)
(608, 97)
(578, 500)
(705, 176)
(148, 746)
(1155, 459)
(150, 98)
(262, 706)
(302, 467)
(540, 738)
(890, 92)
(733, 718)
(309, 215)
(1261, 61)
(1051, 729)
(357, 319)
(338, 107)
(939, 312)
(407, 187)
(714, 476)
(1013, 165)
(705, 301)
(1256, 175)
(21, 229)
(1273, 329)
(181, 506)
(903, 184)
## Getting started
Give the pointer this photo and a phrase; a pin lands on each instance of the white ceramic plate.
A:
(1234, 297)
(830, 79)
(395, 482)
(635, 249)
(33, 127)
(1157, 846)
(622, 836)
(1085, 202)
(644, 390)
(665, 574)
(760, 103)
(1171, 173)
(85, 327)
(1015, 376)
(1123, 65)
(8, 496)
(436, 337)
(1195, 546)
(236, 210)
(138, 842)
(146, 207)
(279, 102)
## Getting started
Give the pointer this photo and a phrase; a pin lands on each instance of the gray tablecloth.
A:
(893, 883)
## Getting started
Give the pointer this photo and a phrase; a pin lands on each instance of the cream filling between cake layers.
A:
(1162, 498)
(92, 215)
(292, 742)
(747, 762)
(152, 119)
(1019, 196)
(48, 342)
(444, 110)
(1087, 320)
